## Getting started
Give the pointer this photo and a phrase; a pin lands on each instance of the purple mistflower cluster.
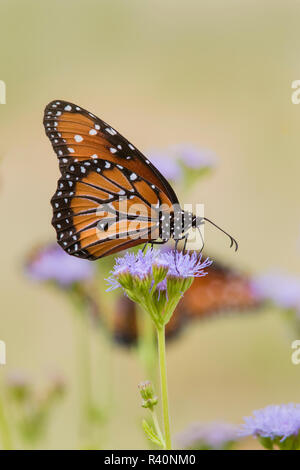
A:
(194, 157)
(18, 379)
(166, 164)
(282, 289)
(140, 265)
(169, 162)
(51, 263)
(273, 421)
(215, 435)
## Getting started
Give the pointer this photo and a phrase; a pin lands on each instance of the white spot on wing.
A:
(111, 131)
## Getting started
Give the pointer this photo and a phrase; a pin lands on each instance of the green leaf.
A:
(151, 434)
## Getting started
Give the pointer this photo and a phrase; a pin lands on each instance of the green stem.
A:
(164, 387)
(84, 376)
(146, 345)
(157, 427)
(4, 428)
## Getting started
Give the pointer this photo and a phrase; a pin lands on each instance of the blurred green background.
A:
(216, 74)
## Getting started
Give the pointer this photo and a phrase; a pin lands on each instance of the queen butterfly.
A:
(109, 196)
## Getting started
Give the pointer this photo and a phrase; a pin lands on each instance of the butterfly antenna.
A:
(232, 240)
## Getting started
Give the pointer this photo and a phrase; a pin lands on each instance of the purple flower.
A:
(169, 161)
(141, 265)
(18, 379)
(166, 164)
(273, 422)
(51, 263)
(215, 436)
(157, 280)
(282, 289)
(19, 385)
(183, 265)
(194, 157)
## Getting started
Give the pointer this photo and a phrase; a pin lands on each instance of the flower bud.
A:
(149, 400)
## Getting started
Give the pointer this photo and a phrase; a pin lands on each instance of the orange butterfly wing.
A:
(78, 135)
(222, 289)
(100, 208)
(105, 184)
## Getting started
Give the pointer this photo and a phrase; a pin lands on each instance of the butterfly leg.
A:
(175, 253)
(201, 240)
(185, 242)
(144, 247)
(161, 242)
(155, 242)
(177, 240)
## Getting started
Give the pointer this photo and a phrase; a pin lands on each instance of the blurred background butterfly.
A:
(224, 290)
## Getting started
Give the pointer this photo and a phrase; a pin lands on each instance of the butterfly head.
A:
(197, 221)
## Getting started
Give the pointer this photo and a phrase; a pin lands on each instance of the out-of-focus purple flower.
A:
(194, 157)
(56, 386)
(17, 379)
(169, 161)
(176, 263)
(19, 385)
(51, 263)
(282, 289)
(214, 436)
(166, 163)
(273, 422)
